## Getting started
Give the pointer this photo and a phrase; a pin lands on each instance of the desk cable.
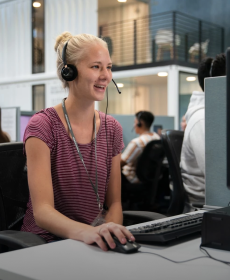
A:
(193, 259)
(209, 256)
(189, 260)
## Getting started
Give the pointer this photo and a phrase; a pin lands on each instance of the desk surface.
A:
(69, 259)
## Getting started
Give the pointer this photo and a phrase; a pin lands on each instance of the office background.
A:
(145, 38)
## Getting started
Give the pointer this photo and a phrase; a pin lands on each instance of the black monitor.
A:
(228, 114)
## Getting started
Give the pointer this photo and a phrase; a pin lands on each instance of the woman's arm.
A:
(41, 191)
(114, 217)
(113, 195)
(46, 216)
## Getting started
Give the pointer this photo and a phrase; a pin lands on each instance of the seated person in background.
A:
(142, 124)
(193, 148)
(4, 137)
(183, 123)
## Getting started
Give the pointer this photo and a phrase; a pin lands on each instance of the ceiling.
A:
(103, 4)
(150, 80)
(185, 87)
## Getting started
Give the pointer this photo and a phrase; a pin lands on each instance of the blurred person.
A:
(193, 148)
(4, 137)
(142, 123)
(183, 123)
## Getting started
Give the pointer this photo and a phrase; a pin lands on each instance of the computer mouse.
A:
(128, 248)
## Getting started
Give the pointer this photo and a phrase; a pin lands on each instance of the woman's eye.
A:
(95, 66)
(109, 67)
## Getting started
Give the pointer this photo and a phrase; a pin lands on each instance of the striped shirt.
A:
(133, 151)
(73, 194)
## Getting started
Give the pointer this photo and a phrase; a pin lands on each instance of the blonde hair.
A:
(78, 46)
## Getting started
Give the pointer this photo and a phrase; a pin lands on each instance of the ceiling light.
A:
(120, 85)
(162, 74)
(190, 79)
(36, 4)
(121, 0)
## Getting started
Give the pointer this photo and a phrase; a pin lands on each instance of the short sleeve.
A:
(130, 153)
(118, 144)
(40, 127)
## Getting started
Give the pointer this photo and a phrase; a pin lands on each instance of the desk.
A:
(74, 260)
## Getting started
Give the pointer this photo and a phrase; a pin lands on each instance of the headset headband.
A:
(210, 72)
(64, 53)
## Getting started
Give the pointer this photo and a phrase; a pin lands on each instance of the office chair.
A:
(172, 142)
(142, 195)
(14, 195)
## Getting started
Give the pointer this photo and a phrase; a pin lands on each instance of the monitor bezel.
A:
(228, 114)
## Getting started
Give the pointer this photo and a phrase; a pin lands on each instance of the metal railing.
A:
(170, 37)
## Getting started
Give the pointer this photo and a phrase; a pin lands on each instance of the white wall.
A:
(16, 78)
(15, 39)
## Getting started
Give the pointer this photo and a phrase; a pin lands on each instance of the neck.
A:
(145, 131)
(80, 112)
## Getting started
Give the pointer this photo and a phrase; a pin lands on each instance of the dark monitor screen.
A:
(228, 114)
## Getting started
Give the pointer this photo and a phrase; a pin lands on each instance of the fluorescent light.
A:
(190, 79)
(120, 85)
(36, 4)
(162, 74)
(121, 0)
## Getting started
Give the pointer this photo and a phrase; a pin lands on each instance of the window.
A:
(138, 93)
(38, 50)
(38, 98)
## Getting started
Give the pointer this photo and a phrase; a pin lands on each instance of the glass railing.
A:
(161, 39)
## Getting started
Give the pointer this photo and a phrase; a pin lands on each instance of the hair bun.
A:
(65, 36)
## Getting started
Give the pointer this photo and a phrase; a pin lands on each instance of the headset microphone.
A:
(116, 86)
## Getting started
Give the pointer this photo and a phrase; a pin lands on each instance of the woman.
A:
(3, 136)
(70, 177)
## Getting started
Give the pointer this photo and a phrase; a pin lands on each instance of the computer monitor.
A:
(157, 128)
(228, 114)
(24, 119)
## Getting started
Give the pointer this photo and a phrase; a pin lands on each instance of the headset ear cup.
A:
(69, 73)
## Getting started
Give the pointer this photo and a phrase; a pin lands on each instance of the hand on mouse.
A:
(105, 231)
(119, 231)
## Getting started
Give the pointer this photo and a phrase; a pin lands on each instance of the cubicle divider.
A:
(14, 122)
(127, 123)
(216, 192)
(10, 122)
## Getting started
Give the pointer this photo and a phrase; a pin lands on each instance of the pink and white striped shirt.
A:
(73, 194)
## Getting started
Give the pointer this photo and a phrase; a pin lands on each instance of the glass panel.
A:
(38, 50)
(186, 87)
(138, 93)
(38, 97)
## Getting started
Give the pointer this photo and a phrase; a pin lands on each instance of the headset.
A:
(139, 124)
(69, 71)
(210, 72)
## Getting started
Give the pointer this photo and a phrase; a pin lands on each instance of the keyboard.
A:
(167, 229)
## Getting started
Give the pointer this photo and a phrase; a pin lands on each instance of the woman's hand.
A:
(96, 234)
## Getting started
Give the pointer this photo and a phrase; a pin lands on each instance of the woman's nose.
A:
(106, 74)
